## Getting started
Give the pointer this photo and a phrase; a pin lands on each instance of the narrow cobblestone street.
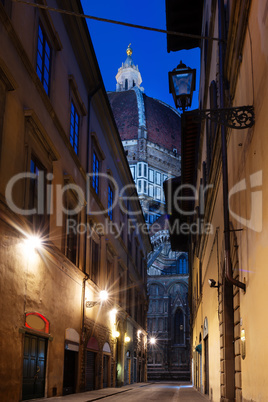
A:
(164, 392)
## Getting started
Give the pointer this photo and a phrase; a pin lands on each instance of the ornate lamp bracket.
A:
(234, 117)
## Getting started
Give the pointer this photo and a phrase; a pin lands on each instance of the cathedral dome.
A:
(135, 112)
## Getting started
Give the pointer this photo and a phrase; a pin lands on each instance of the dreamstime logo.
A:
(255, 221)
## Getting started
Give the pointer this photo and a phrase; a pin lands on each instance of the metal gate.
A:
(105, 370)
(90, 370)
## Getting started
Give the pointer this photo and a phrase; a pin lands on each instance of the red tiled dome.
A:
(163, 124)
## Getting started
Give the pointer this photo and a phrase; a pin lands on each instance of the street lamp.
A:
(103, 296)
(152, 341)
(182, 85)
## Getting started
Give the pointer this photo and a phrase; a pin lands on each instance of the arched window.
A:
(178, 327)
(182, 265)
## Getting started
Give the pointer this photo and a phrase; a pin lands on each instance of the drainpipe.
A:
(90, 96)
(227, 258)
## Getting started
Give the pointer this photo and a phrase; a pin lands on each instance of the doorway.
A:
(105, 371)
(206, 366)
(69, 378)
(90, 370)
(34, 367)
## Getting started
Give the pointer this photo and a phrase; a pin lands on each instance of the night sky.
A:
(149, 48)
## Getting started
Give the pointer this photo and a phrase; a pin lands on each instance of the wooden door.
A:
(34, 367)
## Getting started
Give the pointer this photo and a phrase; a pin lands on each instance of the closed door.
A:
(206, 366)
(105, 370)
(129, 371)
(90, 371)
(34, 367)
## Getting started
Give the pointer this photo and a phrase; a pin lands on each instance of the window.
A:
(126, 85)
(74, 128)
(72, 238)
(139, 169)
(110, 272)
(160, 324)
(110, 202)
(43, 61)
(36, 200)
(95, 169)
(158, 193)
(151, 175)
(95, 262)
(145, 187)
(139, 186)
(132, 169)
(182, 264)
(145, 170)
(157, 178)
(151, 190)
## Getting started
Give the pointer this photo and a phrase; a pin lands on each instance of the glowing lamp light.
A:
(127, 339)
(32, 243)
(103, 295)
(116, 334)
(152, 341)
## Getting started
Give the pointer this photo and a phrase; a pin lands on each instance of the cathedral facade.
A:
(150, 131)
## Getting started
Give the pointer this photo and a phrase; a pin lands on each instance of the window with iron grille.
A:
(95, 169)
(74, 128)
(43, 60)
(110, 202)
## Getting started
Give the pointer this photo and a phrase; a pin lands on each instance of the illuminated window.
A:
(74, 128)
(43, 61)
(95, 169)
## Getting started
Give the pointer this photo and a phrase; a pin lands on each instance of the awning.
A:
(184, 16)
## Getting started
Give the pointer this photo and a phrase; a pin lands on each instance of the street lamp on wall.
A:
(240, 117)
(182, 85)
(103, 296)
